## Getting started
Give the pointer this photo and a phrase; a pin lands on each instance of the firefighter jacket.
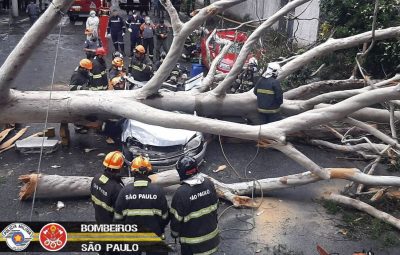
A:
(114, 72)
(144, 204)
(134, 24)
(269, 95)
(80, 79)
(116, 25)
(104, 191)
(99, 74)
(194, 217)
(161, 31)
(141, 69)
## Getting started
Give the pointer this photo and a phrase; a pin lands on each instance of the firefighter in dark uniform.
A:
(142, 202)
(116, 70)
(141, 67)
(106, 186)
(99, 71)
(81, 78)
(248, 78)
(133, 23)
(269, 94)
(194, 211)
(116, 29)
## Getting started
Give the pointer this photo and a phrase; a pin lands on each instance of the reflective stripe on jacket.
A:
(269, 95)
(104, 191)
(194, 217)
(144, 204)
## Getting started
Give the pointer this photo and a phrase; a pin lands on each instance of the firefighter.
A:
(247, 78)
(142, 202)
(161, 32)
(91, 44)
(147, 33)
(133, 23)
(117, 69)
(269, 94)
(81, 79)
(117, 83)
(106, 186)
(116, 30)
(194, 210)
(99, 71)
(141, 67)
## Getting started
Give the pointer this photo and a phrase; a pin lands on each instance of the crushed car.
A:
(163, 146)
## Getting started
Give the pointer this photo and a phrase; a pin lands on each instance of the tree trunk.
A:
(59, 187)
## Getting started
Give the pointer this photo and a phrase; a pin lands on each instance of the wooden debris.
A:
(220, 168)
(12, 140)
(4, 133)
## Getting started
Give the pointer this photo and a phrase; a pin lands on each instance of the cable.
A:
(244, 178)
(46, 122)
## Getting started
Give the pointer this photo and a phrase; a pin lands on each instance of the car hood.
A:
(155, 135)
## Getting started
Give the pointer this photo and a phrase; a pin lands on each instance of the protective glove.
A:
(123, 34)
(130, 30)
(108, 35)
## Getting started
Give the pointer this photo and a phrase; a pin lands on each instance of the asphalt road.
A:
(289, 218)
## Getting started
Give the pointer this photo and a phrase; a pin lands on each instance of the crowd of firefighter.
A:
(192, 214)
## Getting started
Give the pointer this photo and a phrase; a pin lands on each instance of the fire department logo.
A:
(53, 237)
(18, 236)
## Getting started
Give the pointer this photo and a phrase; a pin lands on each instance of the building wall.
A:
(306, 31)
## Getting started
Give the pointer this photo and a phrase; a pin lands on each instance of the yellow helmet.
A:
(118, 62)
(114, 160)
(141, 165)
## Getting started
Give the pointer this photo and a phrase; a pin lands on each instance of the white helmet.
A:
(273, 69)
(92, 13)
(253, 61)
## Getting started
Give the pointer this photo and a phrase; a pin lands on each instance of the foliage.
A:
(349, 17)
(357, 225)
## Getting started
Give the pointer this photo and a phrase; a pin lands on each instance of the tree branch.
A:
(32, 38)
(365, 208)
(220, 90)
(334, 45)
(176, 48)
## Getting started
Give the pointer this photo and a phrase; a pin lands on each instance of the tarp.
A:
(155, 135)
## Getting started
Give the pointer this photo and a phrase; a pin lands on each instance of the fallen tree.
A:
(59, 187)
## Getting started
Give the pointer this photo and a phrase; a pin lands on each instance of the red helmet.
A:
(101, 51)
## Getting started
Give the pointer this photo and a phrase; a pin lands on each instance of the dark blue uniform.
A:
(194, 218)
(269, 99)
(134, 24)
(116, 27)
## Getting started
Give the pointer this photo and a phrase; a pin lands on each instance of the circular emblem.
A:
(53, 237)
(18, 236)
